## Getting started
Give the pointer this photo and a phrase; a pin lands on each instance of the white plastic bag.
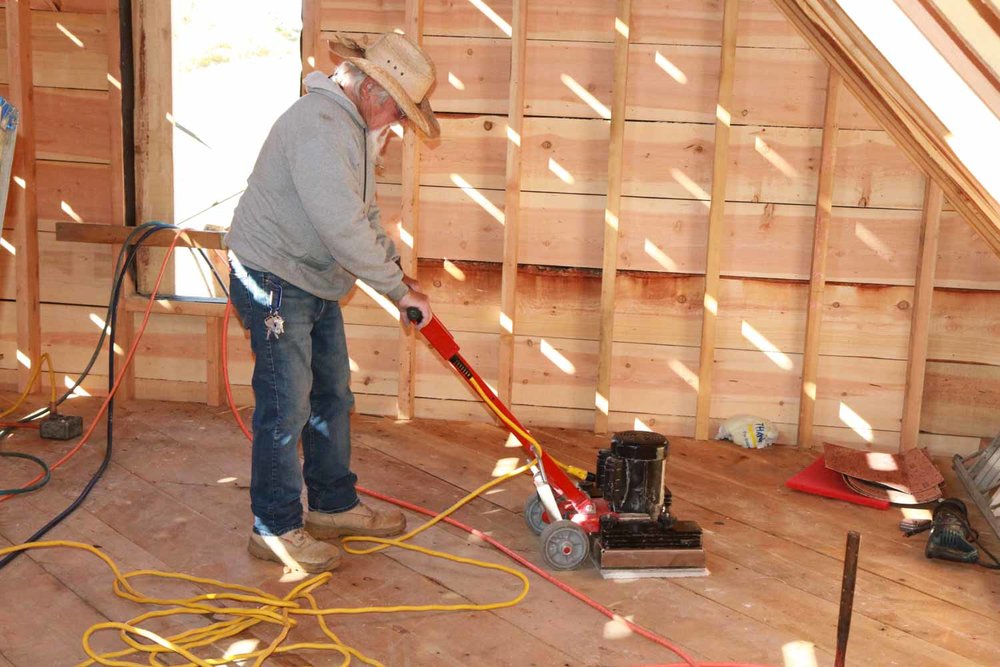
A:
(748, 431)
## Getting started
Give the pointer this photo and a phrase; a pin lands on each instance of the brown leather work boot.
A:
(297, 549)
(361, 520)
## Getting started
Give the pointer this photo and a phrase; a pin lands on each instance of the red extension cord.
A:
(520, 560)
(638, 629)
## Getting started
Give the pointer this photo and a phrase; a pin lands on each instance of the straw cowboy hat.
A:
(399, 66)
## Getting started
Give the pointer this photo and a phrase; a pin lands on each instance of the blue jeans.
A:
(301, 387)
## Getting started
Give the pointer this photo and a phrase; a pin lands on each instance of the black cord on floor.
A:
(34, 487)
(122, 271)
(144, 230)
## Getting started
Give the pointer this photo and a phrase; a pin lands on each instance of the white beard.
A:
(376, 144)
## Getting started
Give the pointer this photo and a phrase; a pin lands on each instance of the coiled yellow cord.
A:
(36, 374)
(258, 605)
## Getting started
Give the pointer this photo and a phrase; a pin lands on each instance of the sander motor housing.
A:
(638, 531)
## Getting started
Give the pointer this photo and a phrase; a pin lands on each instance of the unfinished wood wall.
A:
(776, 132)
(74, 123)
(671, 94)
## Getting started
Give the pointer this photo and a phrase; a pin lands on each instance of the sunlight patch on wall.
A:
(621, 27)
(780, 359)
(454, 271)
(877, 245)
(693, 188)
(492, 16)
(557, 358)
(513, 136)
(672, 70)
(404, 236)
(69, 34)
(660, 257)
(772, 156)
(386, 305)
(585, 95)
(561, 172)
(856, 422)
(684, 373)
(478, 197)
(611, 220)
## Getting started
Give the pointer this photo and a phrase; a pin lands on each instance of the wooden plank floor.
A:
(175, 498)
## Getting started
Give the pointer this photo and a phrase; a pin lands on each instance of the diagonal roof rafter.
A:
(868, 74)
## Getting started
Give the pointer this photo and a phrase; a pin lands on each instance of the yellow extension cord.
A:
(264, 607)
(579, 473)
(36, 374)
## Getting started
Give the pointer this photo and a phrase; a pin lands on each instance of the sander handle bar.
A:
(444, 343)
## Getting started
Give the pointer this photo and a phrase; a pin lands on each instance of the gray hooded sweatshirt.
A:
(308, 214)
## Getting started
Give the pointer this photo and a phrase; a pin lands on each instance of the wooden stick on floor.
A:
(847, 596)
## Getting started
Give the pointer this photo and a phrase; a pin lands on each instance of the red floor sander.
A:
(619, 516)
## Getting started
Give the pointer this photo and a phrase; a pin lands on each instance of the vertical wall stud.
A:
(512, 200)
(817, 276)
(921, 319)
(124, 328)
(154, 132)
(716, 218)
(612, 214)
(215, 380)
(414, 29)
(310, 34)
(29, 341)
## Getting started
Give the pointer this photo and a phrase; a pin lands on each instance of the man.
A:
(304, 230)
